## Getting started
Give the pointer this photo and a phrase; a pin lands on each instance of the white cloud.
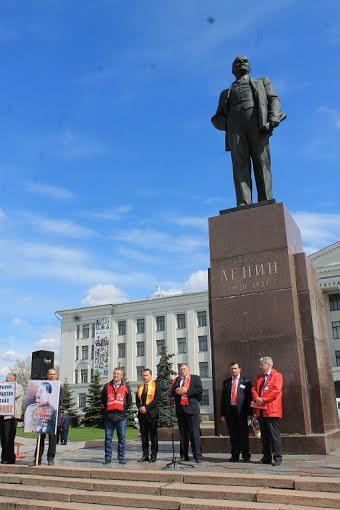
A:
(197, 281)
(103, 294)
(2, 214)
(149, 238)
(10, 355)
(318, 229)
(17, 321)
(113, 214)
(332, 114)
(191, 221)
(48, 343)
(64, 228)
(49, 191)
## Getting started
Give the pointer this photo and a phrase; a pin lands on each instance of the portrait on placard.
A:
(42, 400)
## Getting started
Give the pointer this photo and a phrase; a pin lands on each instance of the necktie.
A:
(233, 399)
(145, 388)
(263, 382)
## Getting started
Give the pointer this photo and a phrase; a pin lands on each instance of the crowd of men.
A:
(240, 401)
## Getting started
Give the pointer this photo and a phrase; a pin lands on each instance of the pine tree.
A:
(164, 373)
(93, 412)
(69, 404)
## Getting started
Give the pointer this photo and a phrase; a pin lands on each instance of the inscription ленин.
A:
(239, 276)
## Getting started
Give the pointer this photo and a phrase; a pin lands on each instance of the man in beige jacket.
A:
(8, 424)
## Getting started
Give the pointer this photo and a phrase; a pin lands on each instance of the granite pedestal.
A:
(265, 299)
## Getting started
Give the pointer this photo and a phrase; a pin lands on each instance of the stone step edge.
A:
(323, 484)
(7, 503)
(262, 495)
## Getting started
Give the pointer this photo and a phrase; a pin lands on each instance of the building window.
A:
(203, 343)
(86, 331)
(336, 329)
(123, 369)
(85, 352)
(160, 323)
(78, 331)
(76, 377)
(77, 353)
(140, 371)
(160, 344)
(92, 351)
(121, 327)
(205, 398)
(140, 326)
(181, 321)
(140, 348)
(92, 374)
(201, 319)
(121, 351)
(203, 369)
(337, 358)
(334, 302)
(84, 375)
(82, 400)
(93, 330)
(181, 345)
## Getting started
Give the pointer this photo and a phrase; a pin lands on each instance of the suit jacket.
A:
(152, 408)
(243, 397)
(265, 99)
(194, 394)
(271, 394)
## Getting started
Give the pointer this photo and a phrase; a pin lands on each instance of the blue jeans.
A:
(110, 426)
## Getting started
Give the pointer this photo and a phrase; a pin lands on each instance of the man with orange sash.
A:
(147, 399)
(116, 399)
(187, 391)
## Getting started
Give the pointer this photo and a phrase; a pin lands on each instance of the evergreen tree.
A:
(164, 373)
(69, 404)
(93, 412)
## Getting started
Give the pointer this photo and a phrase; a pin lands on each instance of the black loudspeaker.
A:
(41, 362)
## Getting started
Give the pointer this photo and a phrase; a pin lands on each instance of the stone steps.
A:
(54, 488)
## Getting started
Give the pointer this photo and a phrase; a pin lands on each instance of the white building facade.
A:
(135, 334)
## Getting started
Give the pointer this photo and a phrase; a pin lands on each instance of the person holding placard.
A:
(8, 422)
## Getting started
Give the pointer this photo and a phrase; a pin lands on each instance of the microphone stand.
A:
(175, 463)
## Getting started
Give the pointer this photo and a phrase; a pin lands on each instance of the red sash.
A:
(184, 398)
(115, 398)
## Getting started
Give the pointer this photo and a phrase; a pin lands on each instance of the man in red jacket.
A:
(267, 403)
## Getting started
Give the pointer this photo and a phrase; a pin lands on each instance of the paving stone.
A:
(249, 480)
(307, 498)
(136, 474)
(10, 478)
(46, 493)
(203, 504)
(210, 491)
(54, 481)
(123, 500)
(29, 504)
(73, 472)
(311, 483)
(128, 486)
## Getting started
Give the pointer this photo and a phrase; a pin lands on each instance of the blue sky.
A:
(109, 166)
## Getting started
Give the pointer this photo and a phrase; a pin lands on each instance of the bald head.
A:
(241, 66)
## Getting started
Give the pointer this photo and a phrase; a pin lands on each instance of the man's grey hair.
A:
(267, 359)
(183, 365)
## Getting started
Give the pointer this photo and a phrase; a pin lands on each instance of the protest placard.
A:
(7, 398)
(42, 399)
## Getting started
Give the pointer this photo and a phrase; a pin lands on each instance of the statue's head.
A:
(241, 66)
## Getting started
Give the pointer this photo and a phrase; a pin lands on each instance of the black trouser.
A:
(189, 428)
(238, 432)
(248, 144)
(7, 433)
(52, 446)
(271, 438)
(63, 436)
(148, 430)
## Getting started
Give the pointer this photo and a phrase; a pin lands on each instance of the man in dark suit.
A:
(147, 400)
(187, 391)
(235, 408)
(248, 111)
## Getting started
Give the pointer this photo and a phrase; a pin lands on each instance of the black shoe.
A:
(153, 458)
(198, 461)
(32, 464)
(107, 461)
(277, 462)
(265, 461)
(122, 461)
(185, 457)
(246, 460)
(233, 459)
(50, 462)
(144, 459)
